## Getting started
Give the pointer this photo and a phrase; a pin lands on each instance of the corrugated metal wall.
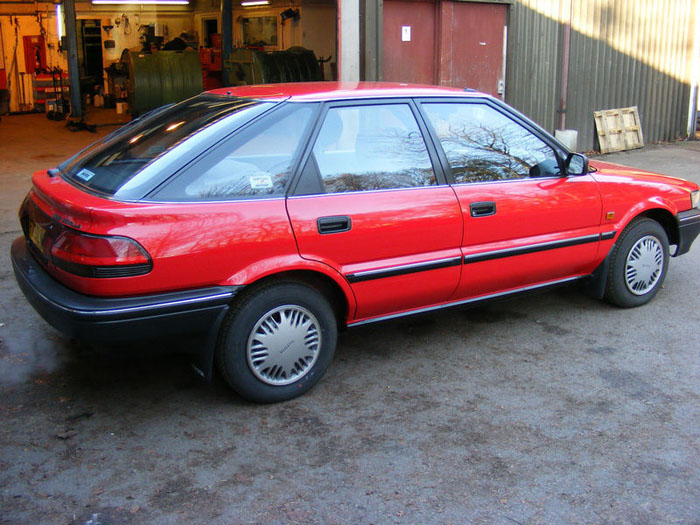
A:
(623, 53)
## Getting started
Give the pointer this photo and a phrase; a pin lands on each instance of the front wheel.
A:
(277, 342)
(638, 265)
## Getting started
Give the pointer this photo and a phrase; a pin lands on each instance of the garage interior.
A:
(132, 57)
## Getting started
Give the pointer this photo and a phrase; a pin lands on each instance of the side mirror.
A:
(576, 164)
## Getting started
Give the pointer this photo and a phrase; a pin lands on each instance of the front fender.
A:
(654, 204)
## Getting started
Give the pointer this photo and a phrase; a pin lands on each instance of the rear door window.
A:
(374, 147)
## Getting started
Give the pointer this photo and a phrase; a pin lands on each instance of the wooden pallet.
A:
(618, 129)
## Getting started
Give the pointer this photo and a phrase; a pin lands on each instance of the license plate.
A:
(36, 235)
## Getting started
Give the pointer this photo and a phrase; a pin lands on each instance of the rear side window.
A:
(257, 162)
(375, 147)
(107, 166)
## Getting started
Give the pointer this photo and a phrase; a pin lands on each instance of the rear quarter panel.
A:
(201, 244)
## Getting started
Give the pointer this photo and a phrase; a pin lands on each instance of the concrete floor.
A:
(548, 409)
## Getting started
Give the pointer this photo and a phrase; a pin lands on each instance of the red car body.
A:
(370, 255)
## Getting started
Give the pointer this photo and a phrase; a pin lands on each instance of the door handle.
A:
(482, 209)
(333, 224)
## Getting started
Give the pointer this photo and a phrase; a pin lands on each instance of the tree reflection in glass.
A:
(482, 144)
(372, 148)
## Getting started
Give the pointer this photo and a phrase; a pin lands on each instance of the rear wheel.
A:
(638, 265)
(277, 342)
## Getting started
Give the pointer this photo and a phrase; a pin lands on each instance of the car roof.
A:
(319, 91)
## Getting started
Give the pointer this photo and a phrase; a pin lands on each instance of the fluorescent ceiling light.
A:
(142, 2)
(59, 21)
(251, 3)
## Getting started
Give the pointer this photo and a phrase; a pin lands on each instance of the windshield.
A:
(109, 164)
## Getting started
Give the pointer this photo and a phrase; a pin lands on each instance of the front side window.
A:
(365, 148)
(482, 144)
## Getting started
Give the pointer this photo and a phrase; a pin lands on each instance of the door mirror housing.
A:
(576, 164)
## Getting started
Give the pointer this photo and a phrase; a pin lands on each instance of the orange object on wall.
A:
(34, 53)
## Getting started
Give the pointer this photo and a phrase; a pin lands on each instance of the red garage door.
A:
(409, 41)
(448, 43)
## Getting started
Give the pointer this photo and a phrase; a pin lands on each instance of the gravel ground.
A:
(547, 409)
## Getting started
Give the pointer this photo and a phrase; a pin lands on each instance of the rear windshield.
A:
(110, 163)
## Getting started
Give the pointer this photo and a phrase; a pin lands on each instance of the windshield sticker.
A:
(260, 182)
(85, 175)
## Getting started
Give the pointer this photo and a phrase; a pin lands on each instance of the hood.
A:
(607, 171)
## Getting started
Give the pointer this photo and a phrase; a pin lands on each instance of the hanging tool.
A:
(23, 106)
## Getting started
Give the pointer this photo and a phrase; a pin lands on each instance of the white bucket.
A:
(568, 137)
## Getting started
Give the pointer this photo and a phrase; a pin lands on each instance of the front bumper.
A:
(101, 319)
(688, 230)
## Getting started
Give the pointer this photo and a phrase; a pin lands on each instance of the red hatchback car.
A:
(265, 217)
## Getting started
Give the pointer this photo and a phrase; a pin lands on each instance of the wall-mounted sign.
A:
(405, 33)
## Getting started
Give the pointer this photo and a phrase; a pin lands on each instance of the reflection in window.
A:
(257, 166)
(482, 144)
(372, 148)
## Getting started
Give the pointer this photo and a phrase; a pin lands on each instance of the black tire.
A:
(638, 264)
(269, 321)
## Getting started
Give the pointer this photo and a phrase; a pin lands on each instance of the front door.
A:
(525, 223)
(370, 205)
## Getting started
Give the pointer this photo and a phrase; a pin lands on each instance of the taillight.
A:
(97, 256)
(80, 253)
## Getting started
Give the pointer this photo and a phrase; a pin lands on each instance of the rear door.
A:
(525, 223)
(370, 204)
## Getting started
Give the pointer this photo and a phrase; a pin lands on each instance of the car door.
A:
(524, 222)
(370, 204)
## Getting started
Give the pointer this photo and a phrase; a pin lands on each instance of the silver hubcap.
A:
(284, 345)
(644, 265)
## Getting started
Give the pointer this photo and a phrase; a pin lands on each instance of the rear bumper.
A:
(102, 319)
(688, 230)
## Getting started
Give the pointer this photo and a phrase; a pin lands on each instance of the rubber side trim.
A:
(534, 248)
(403, 270)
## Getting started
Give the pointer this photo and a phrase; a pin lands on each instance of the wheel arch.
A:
(341, 303)
(667, 221)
